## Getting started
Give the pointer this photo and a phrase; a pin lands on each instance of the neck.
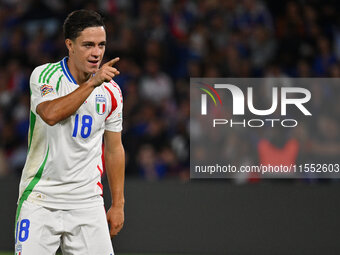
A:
(79, 76)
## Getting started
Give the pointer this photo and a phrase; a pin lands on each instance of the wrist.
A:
(90, 84)
(118, 204)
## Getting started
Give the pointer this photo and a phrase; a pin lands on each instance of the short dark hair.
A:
(78, 20)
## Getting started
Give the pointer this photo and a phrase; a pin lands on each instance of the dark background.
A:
(211, 217)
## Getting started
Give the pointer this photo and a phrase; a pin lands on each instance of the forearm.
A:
(61, 108)
(115, 169)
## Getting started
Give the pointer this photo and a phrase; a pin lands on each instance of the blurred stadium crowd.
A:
(161, 44)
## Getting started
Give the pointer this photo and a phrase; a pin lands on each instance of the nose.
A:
(96, 51)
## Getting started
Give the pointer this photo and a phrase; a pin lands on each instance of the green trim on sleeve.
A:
(56, 69)
(58, 83)
(41, 74)
(48, 71)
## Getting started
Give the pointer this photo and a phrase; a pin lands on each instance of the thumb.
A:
(111, 62)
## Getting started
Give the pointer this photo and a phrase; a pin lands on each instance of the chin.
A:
(92, 70)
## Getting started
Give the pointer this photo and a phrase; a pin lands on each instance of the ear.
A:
(69, 45)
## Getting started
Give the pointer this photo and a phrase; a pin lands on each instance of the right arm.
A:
(58, 109)
(63, 107)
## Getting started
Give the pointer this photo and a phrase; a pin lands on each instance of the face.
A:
(87, 50)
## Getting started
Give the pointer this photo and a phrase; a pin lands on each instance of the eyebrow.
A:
(92, 43)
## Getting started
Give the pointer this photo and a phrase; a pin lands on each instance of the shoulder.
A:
(39, 69)
(112, 85)
(114, 90)
(44, 73)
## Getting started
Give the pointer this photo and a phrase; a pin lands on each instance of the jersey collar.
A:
(66, 71)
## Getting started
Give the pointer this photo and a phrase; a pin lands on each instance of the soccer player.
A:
(74, 103)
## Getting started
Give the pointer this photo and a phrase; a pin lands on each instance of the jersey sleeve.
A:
(41, 91)
(114, 120)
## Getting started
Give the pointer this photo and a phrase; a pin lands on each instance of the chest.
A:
(90, 118)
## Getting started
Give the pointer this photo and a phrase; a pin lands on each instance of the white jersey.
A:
(63, 167)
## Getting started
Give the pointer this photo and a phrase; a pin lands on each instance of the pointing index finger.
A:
(112, 62)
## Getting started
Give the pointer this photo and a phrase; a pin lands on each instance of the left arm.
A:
(115, 168)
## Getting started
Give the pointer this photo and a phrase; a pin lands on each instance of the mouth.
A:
(93, 62)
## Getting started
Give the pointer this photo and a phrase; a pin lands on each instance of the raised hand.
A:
(105, 73)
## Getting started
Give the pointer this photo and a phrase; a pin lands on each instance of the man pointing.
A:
(74, 104)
